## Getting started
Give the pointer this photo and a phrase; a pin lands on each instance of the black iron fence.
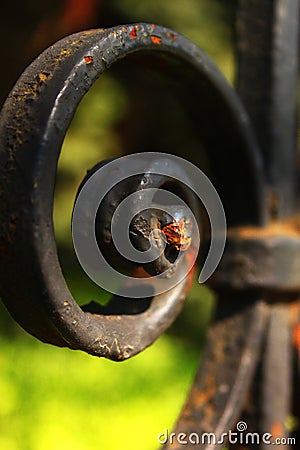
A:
(249, 376)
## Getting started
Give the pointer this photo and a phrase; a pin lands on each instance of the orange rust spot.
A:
(277, 430)
(176, 235)
(296, 337)
(42, 77)
(62, 54)
(132, 34)
(156, 39)
(65, 52)
(88, 59)
(171, 35)
(294, 311)
(153, 26)
(294, 314)
(124, 29)
(289, 228)
(201, 398)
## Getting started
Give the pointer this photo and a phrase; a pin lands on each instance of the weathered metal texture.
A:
(261, 258)
(276, 391)
(272, 407)
(295, 335)
(258, 259)
(268, 48)
(34, 121)
(219, 392)
(145, 221)
(267, 74)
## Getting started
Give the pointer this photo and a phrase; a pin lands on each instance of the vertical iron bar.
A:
(218, 395)
(277, 377)
(267, 40)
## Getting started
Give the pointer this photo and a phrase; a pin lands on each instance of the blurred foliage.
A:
(206, 22)
(54, 398)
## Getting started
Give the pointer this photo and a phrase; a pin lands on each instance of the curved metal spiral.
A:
(34, 121)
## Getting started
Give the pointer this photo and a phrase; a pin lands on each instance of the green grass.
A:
(53, 399)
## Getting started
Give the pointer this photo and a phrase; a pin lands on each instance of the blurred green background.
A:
(51, 398)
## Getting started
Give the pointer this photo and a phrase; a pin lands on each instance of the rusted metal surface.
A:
(262, 260)
(272, 405)
(276, 393)
(34, 121)
(219, 392)
(295, 326)
(267, 69)
(265, 258)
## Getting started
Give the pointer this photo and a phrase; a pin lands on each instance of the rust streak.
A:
(88, 59)
(132, 34)
(290, 227)
(277, 430)
(296, 337)
(156, 40)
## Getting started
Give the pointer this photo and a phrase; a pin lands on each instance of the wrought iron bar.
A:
(268, 47)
